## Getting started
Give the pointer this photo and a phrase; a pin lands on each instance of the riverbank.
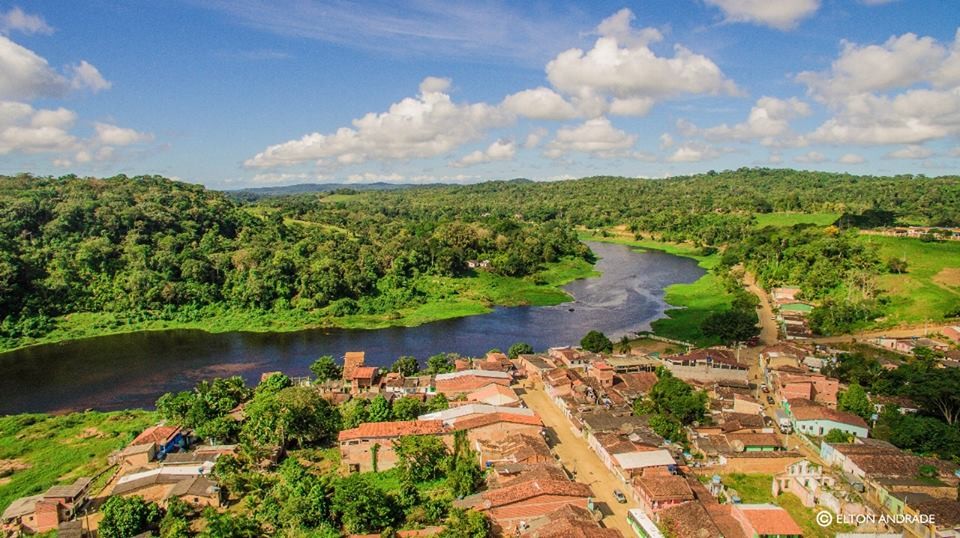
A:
(445, 298)
(693, 302)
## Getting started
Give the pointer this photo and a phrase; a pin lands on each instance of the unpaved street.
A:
(575, 455)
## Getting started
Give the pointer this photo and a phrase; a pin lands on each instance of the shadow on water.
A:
(131, 370)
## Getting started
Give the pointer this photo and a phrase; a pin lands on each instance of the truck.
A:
(786, 426)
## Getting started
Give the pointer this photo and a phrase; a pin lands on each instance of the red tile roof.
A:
(688, 520)
(493, 418)
(365, 372)
(533, 488)
(770, 520)
(393, 429)
(160, 435)
(664, 487)
(803, 410)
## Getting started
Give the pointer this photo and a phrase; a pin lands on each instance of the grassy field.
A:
(448, 298)
(756, 488)
(792, 219)
(930, 288)
(39, 451)
(693, 302)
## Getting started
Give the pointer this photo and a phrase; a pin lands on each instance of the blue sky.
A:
(256, 92)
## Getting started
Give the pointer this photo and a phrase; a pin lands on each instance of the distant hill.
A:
(254, 193)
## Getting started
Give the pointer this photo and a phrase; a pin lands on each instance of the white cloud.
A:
(541, 104)
(500, 150)
(108, 134)
(632, 106)
(16, 20)
(851, 158)
(910, 152)
(26, 75)
(899, 62)
(780, 14)
(770, 117)
(596, 136)
(666, 141)
(810, 157)
(86, 76)
(692, 152)
(24, 129)
(622, 66)
(367, 177)
(534, 138)
(435, 85)
(428, 125)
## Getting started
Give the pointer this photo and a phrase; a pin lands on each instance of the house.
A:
(136, 456)
(198, 492)
(569, 357)
(707, 365)
(804, 479)
(602, 372)
(495, 394)
(165, 439)
(369, 446)
(746, 404)
(817, 420)
(364, 378)
(467, 381)
(688, 520)
(656, 492)
(942, 516)
(497, 426)
(526, 497)
(471, 410)
(766, 520)
(632, 364)
(515, 449)
(351, 361)
(568, 521)
(534, 366)
(631, 386)
(815, 387)
(754, 442)
(642, 462)
(45, 512)
(785, 295)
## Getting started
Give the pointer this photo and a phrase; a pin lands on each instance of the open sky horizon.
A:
(250, 93)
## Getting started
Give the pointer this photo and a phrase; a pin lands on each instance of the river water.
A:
(132, 370)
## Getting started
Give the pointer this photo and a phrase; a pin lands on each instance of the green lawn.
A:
(59, 449)
(792, 219)
(930, 288)
(694, 302)
(756, 489)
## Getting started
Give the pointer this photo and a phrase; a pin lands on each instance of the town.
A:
(682, 442)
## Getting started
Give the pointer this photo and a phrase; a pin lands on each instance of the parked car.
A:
(621, 498)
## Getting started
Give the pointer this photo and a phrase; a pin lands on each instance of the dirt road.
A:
(769, 332)
(576, 456)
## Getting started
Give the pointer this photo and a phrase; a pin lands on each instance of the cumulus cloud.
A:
(781, 14)
(500, 150)
(622, 66)
(910, 152)
(16, 20)
(541, 104)
(899, 62)
(810, 157)
(86, 76)
(435, 85)
(534, 138)
(113, 135)
(770, 117)
(428, 125)
(25, 129)
(595, 136)
(850, 158)
(692, 152)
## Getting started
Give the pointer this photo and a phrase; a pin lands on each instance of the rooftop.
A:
(648, 458)
(160, 435)
(393, 429)
(807, 410)
(477, 373)
(769, 519)
(665, 488)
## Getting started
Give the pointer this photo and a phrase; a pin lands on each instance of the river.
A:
(132, 370)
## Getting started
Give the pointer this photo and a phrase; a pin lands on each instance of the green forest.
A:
(84, 256)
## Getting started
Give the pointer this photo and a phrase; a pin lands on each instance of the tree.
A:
(837, 436)
(519, 348)
(174, 523)
(464, 475)
(406, 366)
(731, 325)
(124, 517)
(624, 345)
(855, 400)
(362, 506)
(407, 408)
(297, 414)
(466, 524)
(379, 409)
(421, 457)
(355, 412)
(274, 383)
(672, 397)
(938, 392)
(666, 427)
(440, 363)
(226, 525)
(897, 265)
(325, 369)
(596, 342)
(438, 403)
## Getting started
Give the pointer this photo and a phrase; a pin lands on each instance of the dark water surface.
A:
(132, 370)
